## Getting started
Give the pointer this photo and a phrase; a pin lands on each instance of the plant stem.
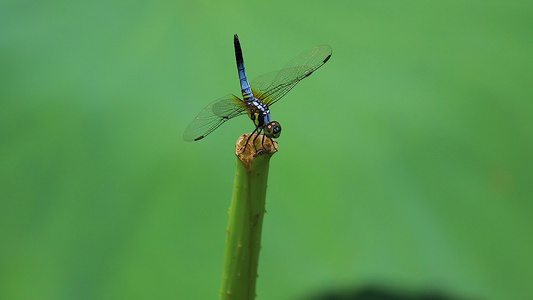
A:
(243, 240)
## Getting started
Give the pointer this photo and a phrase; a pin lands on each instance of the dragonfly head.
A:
(272, 129)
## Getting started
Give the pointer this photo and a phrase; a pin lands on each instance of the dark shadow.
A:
(382, 293)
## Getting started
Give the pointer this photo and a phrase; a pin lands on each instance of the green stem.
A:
(243, 240)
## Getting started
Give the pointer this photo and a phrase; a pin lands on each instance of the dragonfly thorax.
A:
(260, 115)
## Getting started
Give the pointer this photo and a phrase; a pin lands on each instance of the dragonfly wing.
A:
(272, 86)
(214, 115)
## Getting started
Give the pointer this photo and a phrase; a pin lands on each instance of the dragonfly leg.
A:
(255, 138)
(257, 131)
(272, 141)
(248, 140)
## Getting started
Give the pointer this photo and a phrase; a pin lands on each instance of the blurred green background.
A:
(404, 162)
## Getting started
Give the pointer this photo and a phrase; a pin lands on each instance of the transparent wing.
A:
(214, 115)
(271, 87)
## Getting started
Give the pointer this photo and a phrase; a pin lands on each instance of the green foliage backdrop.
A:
(406, 161)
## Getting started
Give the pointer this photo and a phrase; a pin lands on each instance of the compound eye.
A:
(273, 129)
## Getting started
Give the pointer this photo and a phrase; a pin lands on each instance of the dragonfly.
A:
(257, 95)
